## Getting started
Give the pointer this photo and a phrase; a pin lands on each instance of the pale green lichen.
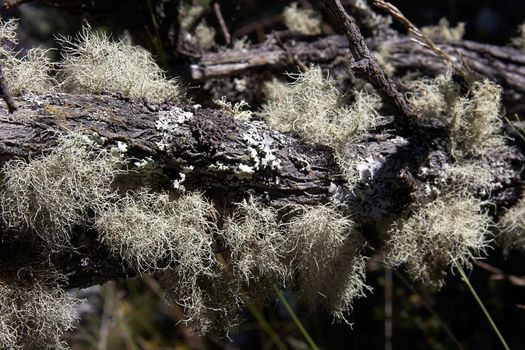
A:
(34, 315)
(52, 193)
(234, 110)
(519, 41)
(27, 74)
(473, 120)
(328, 259)
(313, 108)
(511, 227)
(150, 231)
(257, 244)
(302, 20)
(93, 63)
(444, 31)
(449, 229)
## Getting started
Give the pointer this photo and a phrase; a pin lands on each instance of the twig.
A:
(220, 18)
(366, 65)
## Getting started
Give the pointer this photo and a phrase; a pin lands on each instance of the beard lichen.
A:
(449, 229)
(302, 20)
(49, 195)
(34, 314)
(511, 227)
(328, 260)
(93, 63)
(313, 108)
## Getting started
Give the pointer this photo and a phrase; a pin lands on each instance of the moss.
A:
(444, 31)
(313, 108)
(448, 229)
(328, 259)
(34, 315)
(300, 20)
(150, 232)
(93, 63)
(52, 193)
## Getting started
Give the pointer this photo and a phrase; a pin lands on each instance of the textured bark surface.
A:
(504, 64)
(393, 170)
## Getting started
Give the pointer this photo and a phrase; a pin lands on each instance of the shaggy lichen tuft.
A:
(511, 227)
(444, 31)
(150, 232)
(257, 244)
(313, 108)
(93, 63)
(519, 41)
(300, 20)
(328, 259)
(448, 229)
(34, 315)
(51, 194)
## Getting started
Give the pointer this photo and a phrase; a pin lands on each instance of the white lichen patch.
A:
(234, 110)
(49, 195)
(449, 229)
(328, 259)
(302, 20)
(444, 31)
(167, 123)
(93, 63)
(260, 152)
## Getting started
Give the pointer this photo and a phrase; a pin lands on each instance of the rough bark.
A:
(388, 165)
(504, 64)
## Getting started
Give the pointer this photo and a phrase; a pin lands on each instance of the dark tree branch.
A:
(214, 146)
(365, 64)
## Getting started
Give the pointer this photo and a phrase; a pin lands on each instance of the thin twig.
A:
(220, 18)
(366, 65)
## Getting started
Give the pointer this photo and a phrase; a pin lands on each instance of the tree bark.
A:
(393, 168)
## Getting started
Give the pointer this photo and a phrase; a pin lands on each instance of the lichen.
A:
(93, 63)
(313, 108)
(52, 193)
(327, 257)
(511, 227)
(234, 110)
(34, 315)
(446, 230)
(302, 20)
(519, 41)
(444, 31)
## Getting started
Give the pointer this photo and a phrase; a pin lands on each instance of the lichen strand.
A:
(93, 63)
(301, 20)
(151, 232)
(448, 229)
(51, 194)
(313, 108)
(34, 315)
(328, 259)
(511, 227)
(27, 74)
(212, 303)
(519, 41)
(257, 244)
(473, 120)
